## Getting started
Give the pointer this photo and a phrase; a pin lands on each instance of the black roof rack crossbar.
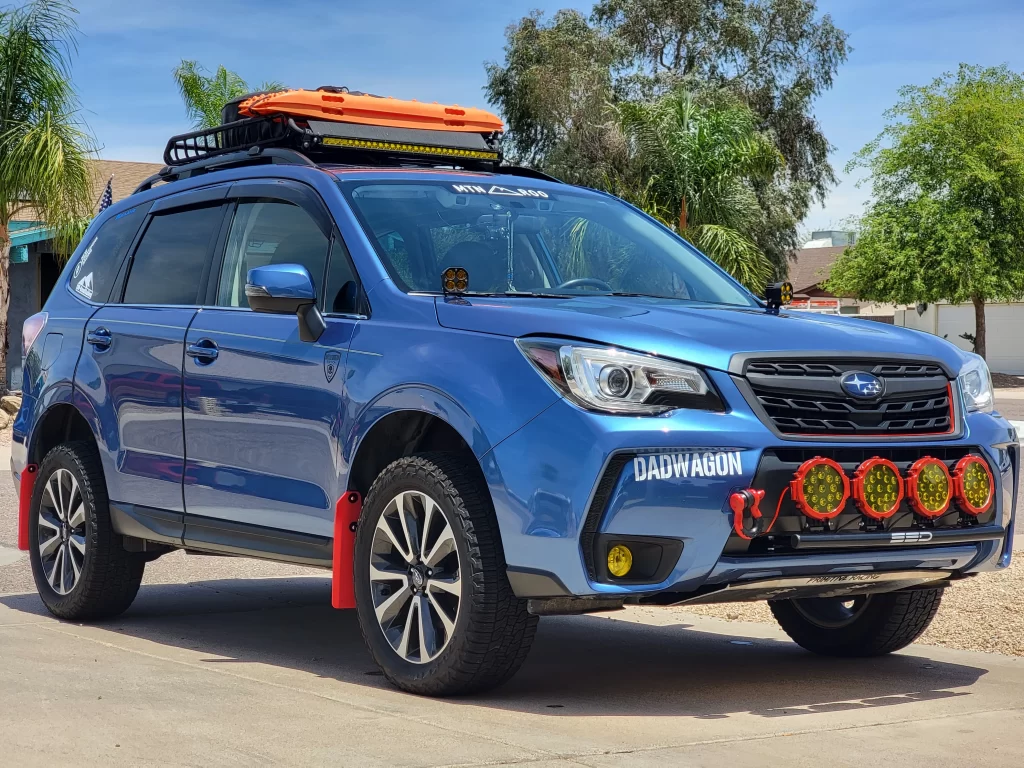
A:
(254, 156)
(272, 130)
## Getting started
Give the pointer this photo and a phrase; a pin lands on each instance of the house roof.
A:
(127, 176)
(812, 267)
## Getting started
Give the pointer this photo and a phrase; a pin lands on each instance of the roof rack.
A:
(281, 138)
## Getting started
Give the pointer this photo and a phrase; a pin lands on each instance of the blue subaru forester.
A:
(480, 396)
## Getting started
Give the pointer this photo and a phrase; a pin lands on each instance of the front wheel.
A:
(865, 625)
(435, 606)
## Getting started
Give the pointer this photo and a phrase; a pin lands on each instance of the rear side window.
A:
(169, 263)
(96, 270)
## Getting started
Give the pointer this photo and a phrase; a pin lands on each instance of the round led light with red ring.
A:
(878, 488)
(971, 475)
(820, 488)
(929, 487)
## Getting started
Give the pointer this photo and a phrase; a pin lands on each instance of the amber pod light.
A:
(455, 280)
(820, 488)
(929, 487)
(973, 485)
(878, 488)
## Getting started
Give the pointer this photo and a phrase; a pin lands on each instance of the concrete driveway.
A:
(264, 672)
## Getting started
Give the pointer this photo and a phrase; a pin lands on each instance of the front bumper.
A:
(571, 479)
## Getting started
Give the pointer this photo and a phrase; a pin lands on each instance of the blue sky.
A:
(435, 51)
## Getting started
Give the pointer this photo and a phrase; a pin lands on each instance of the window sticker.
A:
(687, 465)
(84, 286)
(85, 258)
(495, 189)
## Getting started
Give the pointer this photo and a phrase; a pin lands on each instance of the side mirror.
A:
(286, 289)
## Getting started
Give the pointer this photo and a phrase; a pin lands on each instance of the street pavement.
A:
(225, 661)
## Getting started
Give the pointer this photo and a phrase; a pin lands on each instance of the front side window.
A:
(168, 264)
(269, 232)
(524, 241)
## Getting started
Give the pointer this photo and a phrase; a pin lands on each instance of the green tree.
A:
(946, 220)
(43, 147)
(205, 95)
(776, 56)
(697, 164)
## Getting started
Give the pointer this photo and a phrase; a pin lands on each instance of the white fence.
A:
(1004, 325)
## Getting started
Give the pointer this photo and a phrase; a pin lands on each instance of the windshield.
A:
(526, 241)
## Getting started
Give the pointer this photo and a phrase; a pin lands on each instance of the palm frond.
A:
(734, 252)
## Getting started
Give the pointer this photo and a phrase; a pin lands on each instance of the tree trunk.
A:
(682, 217)
(979, 325)
(5, 301)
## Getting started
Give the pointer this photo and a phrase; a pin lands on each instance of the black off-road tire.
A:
(886, 623)
(493, 631)
(110, 576)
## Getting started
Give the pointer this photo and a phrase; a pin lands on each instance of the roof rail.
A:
(254, 156)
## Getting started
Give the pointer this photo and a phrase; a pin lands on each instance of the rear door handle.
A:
(203, 351)
(99, 338)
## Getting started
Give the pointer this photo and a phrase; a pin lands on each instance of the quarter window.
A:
(96, 269)
(168, 264)
(269, 232)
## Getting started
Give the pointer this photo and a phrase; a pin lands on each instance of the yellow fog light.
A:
(820, 488)
(973, 485)
(929, 487)
(878, 488)
(620, 560)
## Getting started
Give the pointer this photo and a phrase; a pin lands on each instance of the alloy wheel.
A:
(60, 534)
(415, 577)
(832, 612)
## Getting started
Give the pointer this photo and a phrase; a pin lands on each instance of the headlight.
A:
(976, 384)
(615, 381)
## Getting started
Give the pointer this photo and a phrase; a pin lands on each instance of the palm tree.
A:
(692, 164)
(44, 148)
(206, 95)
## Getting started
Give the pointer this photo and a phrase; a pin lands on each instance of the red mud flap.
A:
(28, 483)
(346, 515)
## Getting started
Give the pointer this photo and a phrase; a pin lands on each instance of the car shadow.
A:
(582, 665)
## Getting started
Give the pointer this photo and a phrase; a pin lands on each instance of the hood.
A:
(705, 334)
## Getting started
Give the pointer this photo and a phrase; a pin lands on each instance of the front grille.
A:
(805, 398)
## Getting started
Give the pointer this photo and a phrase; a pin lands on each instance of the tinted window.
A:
(96, 270)
(168, 264)
(265, 233)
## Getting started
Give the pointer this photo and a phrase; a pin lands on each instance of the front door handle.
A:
(99, 338)
(203, 351)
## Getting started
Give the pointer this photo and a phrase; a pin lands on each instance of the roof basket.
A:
(339, 142)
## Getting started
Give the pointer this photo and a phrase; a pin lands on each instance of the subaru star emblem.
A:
(860, 384)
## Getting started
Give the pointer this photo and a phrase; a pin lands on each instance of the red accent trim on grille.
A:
(28, 484)
(346, 516)
(958, 485)
(796, 488)
(858, 488)
(912, 492)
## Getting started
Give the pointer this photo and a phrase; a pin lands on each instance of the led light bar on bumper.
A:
(616, 381)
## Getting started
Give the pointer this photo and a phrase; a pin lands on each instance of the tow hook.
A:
(747, 519)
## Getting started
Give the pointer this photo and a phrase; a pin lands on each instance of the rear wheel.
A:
(80, 568)
(434, 603)
(865, 625)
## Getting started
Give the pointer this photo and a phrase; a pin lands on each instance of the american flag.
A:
(108, 196)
